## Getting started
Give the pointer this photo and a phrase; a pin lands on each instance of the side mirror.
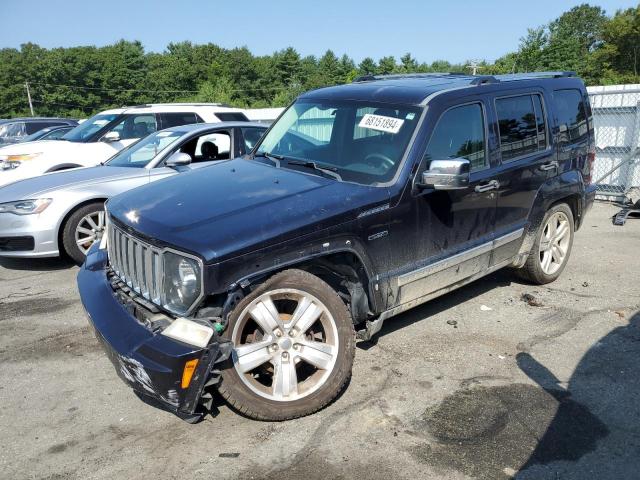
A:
(178, 159)
(450, 174)
(111, 137)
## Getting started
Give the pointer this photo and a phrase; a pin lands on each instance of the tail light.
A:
(588, 168)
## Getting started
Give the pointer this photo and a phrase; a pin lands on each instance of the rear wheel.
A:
(293, 348)
(83, 228)
(552, 246)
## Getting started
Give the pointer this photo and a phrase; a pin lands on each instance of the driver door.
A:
(451, 230)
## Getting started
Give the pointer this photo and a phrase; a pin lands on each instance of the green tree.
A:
(367, 66)
(387, 65)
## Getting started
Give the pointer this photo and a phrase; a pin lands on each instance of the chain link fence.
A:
(616, 117)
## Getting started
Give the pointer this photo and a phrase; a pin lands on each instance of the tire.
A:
(277, 348)
(78, 220)
(538, 269)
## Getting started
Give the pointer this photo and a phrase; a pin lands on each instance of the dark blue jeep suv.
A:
(361, 201)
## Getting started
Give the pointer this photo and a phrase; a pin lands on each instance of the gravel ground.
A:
(476, 384)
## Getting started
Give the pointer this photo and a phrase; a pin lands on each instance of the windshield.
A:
(362, 142)
(90, 126)
(141, 153)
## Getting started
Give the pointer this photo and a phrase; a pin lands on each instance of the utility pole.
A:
(26, 85)
(474, 67)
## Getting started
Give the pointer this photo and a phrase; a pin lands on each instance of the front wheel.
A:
(294, 345)
(83, 228)
(552, 246)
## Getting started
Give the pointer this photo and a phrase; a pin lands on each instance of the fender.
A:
(247, 269)
(566, 185)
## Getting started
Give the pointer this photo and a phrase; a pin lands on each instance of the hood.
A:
(224, 210)
(39, 187)
(35, 147)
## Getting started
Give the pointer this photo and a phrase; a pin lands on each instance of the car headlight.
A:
(25, 207)
(182, 282)
(9, 162)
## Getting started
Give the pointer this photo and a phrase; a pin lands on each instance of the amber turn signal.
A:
(189, 368)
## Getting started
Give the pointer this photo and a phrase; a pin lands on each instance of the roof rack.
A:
(397, 76)
(474, 79)
(533, 75)
(179, 104)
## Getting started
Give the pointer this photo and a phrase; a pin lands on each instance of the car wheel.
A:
(552, 246)
(294, 344)
(83, 228)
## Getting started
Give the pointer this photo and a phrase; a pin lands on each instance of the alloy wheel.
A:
(89, 230)
(286, 345)
(555, 243)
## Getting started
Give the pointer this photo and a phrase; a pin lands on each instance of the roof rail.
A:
(179, 104)
(533, 75)
(391, 76)
(474, 79)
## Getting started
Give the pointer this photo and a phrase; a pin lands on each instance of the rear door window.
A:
(523, 129)
(460, 133)
(572, 117)
(175, 119)
(135, 126)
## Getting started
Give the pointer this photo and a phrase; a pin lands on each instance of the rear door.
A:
(527, 160)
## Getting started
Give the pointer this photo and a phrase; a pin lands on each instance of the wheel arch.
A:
(565, 188)
(345, 269)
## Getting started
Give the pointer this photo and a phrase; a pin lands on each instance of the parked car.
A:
(100, 137)
(63, 212)
(360, 202)
(49, 133)
(14, 130)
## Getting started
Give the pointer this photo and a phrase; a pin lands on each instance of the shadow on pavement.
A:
(36, 264)
(595, 432)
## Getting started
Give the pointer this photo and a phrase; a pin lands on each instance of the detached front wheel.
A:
(294, 345)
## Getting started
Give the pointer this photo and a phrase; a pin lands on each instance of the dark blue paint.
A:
(245, 218)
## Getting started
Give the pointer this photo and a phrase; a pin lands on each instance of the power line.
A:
(57, 104)
(77, 87)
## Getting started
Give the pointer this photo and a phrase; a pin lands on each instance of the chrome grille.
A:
(137, 263)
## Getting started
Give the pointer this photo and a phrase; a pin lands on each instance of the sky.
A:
(452, 30)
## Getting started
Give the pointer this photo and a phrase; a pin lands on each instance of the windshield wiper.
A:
(326, 169)
(274, 157)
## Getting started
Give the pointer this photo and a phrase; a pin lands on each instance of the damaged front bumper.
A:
(151, 363)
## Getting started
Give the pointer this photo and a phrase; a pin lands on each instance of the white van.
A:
(101, 136)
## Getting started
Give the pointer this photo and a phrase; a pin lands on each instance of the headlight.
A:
(25, 207)
(182, 282)
(9, 162)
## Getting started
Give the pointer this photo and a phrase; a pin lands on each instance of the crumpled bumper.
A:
(148, 362)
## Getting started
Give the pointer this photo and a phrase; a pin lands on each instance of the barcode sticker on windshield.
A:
(381, 123)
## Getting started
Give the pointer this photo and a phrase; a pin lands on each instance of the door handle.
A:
(549, 166)
(485, 187)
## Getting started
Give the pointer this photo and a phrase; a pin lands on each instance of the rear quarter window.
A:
(232, 117)
(572, 116)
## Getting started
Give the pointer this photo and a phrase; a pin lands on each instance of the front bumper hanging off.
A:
(147, 361)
